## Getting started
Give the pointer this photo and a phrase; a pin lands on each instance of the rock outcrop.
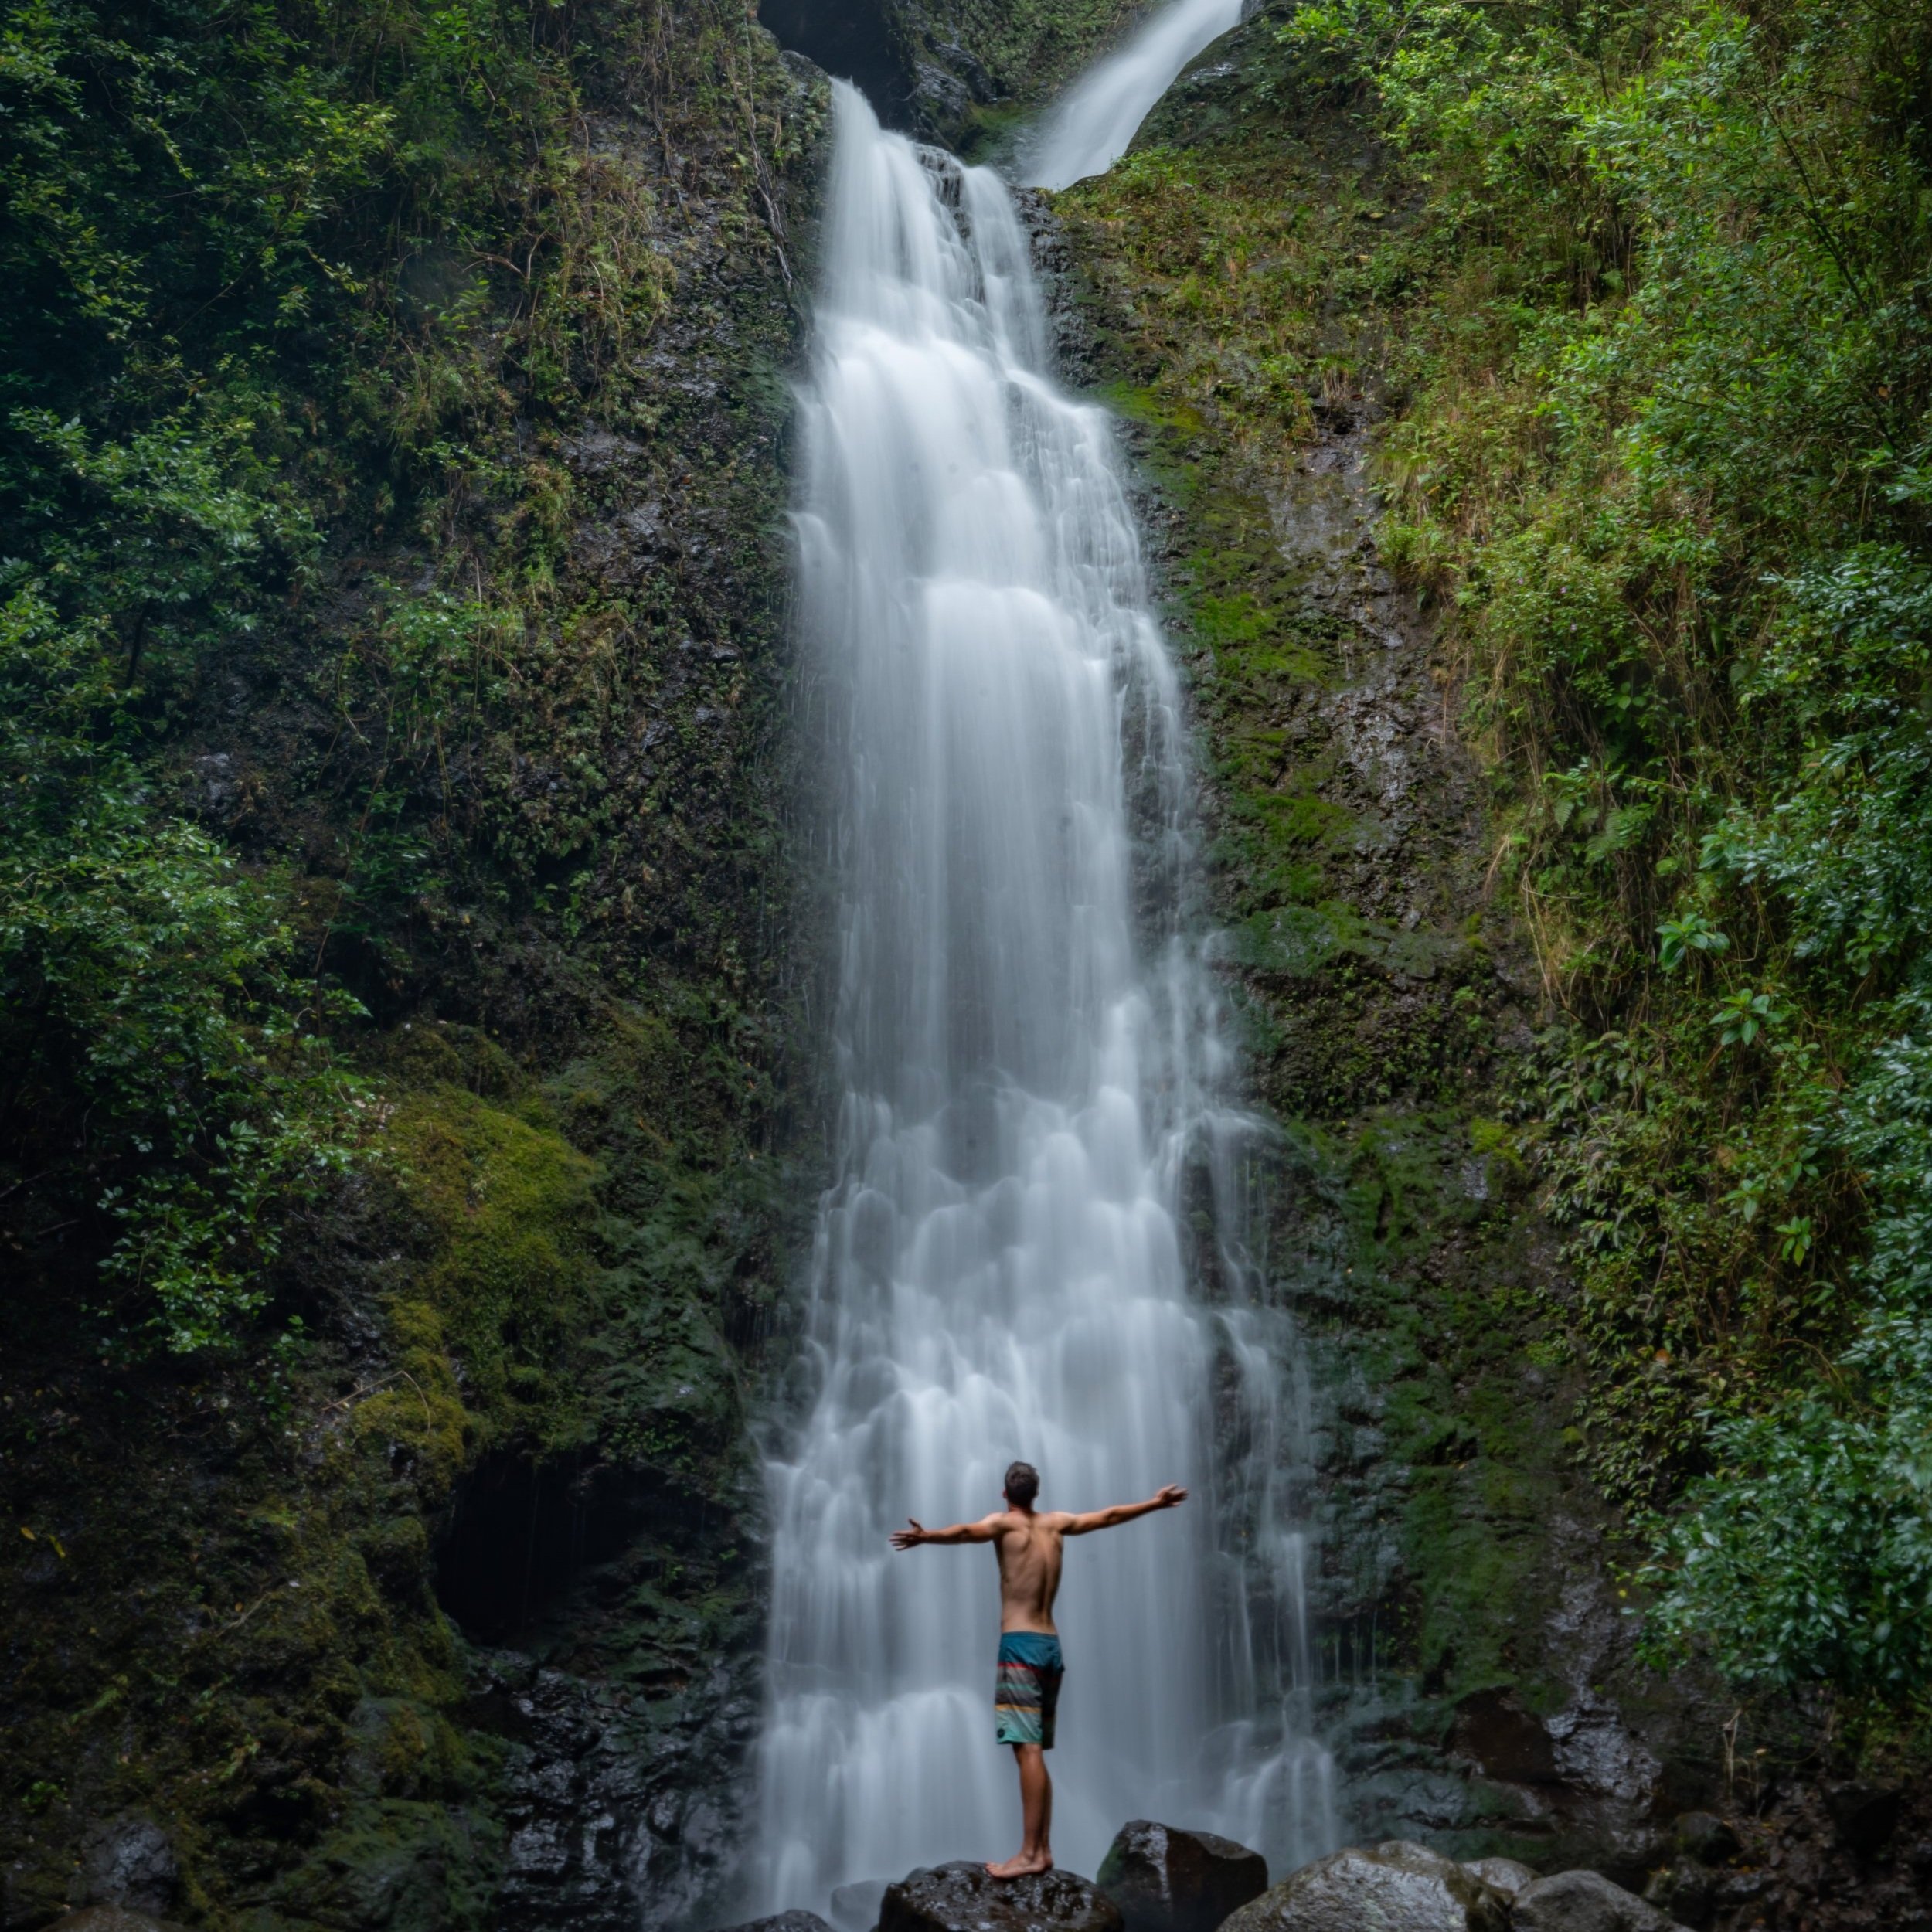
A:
(128, 1861)
(1583, 1902)
(936, 70)
(793, 1921)
(1395, 1887)
(964, 1897)
(1164, 1880)
(111, 1918)
(1508, 1876)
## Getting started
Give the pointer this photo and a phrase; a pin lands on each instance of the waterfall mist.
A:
(1026, 1046)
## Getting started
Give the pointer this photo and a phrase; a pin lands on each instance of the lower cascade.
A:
(1031, 1074)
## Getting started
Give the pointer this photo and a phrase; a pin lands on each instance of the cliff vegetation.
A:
(1637, 296)
(395, 946)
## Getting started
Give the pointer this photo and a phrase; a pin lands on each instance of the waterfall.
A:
(1090, 128)
(1025, 1042)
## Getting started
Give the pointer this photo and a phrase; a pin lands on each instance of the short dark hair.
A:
(1022, 1483)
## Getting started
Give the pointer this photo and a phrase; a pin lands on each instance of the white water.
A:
(1088, 131)
(1026, 1046)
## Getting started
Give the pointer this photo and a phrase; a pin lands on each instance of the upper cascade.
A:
(1090, 128)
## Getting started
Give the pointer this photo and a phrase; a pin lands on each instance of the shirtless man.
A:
(1028, 1543)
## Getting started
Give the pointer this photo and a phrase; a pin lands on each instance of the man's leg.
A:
(1035, 1805)
(1046, 1839)
(1036, 1815)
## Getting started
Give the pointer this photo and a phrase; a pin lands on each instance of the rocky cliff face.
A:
(958, 74)
(1476, 1674)
(444, 1611)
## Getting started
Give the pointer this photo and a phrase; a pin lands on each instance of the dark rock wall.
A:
(957, 72)
(445, 1613)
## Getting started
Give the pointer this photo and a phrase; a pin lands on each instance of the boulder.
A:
(964, 1897)
(792, 1921)
(128, 1862)
(1164, 1880)
(1508, 1876)
(1705, 1837)
(854, 1907)
(1685, 1892)
(1583, 1902)
(1395, 1887)
(1866, 1815)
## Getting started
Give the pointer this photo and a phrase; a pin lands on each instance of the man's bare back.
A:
(1028, 1543)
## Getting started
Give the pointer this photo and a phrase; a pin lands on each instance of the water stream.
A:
(1032, 1079)
(1089, 129)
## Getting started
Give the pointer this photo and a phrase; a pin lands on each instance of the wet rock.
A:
(1743, 1891)
(855, 1908)
(792, 1921)
(1395, 1887)
(1168, 1880)
(1866, 1815)
(1508, 1876)
(1583, 1902)
(1507, 1741)
(217, 772)
(111, 1918)
(964, 1897)
(1704, 1836)
(1686, 1892)
(127, 1862)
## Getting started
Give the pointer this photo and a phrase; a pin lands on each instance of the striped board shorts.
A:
(1026, 1691)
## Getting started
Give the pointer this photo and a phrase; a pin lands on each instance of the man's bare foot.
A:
(1022, 1865)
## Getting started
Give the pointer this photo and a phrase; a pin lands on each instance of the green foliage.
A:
(289, 288)
(1664, 458)
(1809, 1556)
(1807, 1552)
(162, 1059)
(1677, 939)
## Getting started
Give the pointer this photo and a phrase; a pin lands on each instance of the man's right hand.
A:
(909, 1539)
(1171, 1494)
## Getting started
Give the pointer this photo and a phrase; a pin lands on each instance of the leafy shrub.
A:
(1806, 1554)
(162, 1059)
(1664, 459)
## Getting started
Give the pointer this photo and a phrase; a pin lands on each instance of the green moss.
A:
(510, 1207)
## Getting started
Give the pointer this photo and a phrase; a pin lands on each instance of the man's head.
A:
(1022, 1485)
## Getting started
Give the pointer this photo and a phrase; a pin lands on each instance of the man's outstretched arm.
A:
(982, 1531)
(1122, 1512)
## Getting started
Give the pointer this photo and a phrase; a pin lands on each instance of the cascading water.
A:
(1088, 131)
(1028, 1064)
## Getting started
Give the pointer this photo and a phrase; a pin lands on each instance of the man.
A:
(1027, 1541)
